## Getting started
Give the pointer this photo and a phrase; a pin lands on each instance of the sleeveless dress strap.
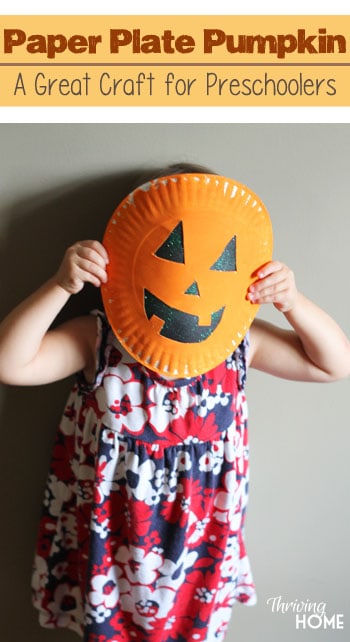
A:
(241, 360)
(102, 349)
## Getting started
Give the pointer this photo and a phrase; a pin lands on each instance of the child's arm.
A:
(315, 350)
(32, 354)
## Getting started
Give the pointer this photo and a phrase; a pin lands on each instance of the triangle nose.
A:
(193, 289)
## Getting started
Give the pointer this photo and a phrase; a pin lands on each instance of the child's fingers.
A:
(276, 284)
(97, 247)
(270, 295)
(84, 262)
(269, 268)
(90, 277)
(89, 261)
(89, 270)
(93, 251)
(268, 282)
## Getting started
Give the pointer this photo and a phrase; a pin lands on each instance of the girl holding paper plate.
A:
(142, 531)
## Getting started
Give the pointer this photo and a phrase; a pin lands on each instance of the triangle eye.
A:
(227, 260)
(173, 247)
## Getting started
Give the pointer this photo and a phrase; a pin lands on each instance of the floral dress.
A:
(142, 532)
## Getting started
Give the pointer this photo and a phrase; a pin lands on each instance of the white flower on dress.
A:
(224, 501)
(67, 605)
(142, 475)
(122, 370)
(183, 460)
(229, 502)
(102, 528)
(106, 588)
(209, 401)
(168, 404)
(211, 460)
(139, 566)
(218, 623)
(83, 472)
(98, 615)
(166, 484)
(173, 573)
(125, 409)
(229, 443)
(199, 528)
(147, 605)
(60, 492)
(204, 595)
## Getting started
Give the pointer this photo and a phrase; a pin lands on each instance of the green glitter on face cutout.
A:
(193, 289)
(173, 247)
(180, 326)
(227, 260)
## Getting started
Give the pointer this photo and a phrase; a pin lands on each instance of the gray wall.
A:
(59, 183)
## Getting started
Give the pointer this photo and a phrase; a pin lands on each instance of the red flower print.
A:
(204, 428)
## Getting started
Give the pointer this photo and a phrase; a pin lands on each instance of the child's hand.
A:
(83, 262)
(275, 284)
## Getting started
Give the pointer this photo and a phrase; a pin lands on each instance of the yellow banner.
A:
(174, 61)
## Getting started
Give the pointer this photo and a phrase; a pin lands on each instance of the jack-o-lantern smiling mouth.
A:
(178, 325)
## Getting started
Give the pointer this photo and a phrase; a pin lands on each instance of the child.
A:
(142, 533)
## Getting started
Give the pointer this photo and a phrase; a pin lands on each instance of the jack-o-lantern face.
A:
(183, 250)
(179, 325)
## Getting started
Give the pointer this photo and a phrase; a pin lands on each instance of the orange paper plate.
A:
(183, 250)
